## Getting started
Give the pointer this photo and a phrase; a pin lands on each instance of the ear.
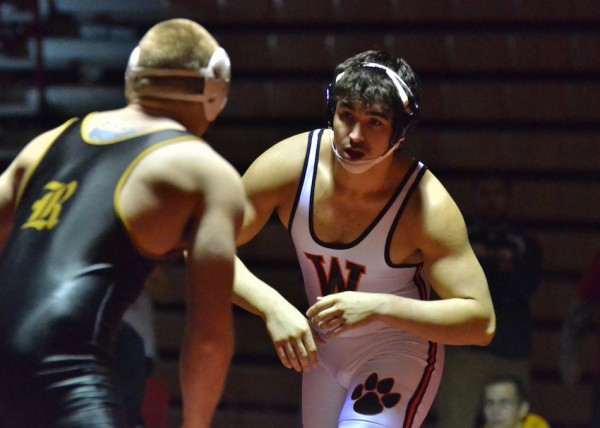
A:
(524, 409)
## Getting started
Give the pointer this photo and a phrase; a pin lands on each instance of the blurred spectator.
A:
(581, 319)
(506, 405)
(512, 262)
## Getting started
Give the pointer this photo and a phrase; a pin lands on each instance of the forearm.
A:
(453, 321)
(253, 294)
(203, 369)
(208, 341)
(288, 328)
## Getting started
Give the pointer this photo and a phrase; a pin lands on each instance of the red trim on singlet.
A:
(420, 282)
(417, 398)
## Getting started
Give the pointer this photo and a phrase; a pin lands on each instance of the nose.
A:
(356, 133)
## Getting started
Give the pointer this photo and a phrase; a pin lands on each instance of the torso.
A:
(85, 269)
(342, 214)
(70, 269)
(338, 252)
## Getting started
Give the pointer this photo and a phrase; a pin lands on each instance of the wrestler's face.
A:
(502, 407)
(361, 132)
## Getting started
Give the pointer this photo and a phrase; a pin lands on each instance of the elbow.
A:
(207, 346)
(484, 325)
(486, 338)
(486, 331)
(479, 330)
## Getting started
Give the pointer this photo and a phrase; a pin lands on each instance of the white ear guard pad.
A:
(216, 78)
(133, 58)
(216, 86)
(129, 73)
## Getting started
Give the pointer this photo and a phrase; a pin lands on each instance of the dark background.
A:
(509, 87)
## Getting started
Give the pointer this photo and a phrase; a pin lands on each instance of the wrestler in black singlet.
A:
(67, 274)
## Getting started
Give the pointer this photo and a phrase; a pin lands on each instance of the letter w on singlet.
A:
(46, 210)
(335, 281)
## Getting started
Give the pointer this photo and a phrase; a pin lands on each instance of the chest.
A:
(343, 217)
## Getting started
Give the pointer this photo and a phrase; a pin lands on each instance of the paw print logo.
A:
(374, 395)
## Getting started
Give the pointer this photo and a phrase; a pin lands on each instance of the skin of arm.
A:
(207, 345)
(13, 178)
(208, 342)
(270, 185)
(169, 197)
(9, 184)
(464, 314)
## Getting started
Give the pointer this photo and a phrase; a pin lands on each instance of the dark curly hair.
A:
(370, 85)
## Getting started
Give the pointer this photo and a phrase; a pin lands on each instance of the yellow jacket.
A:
(533, 421)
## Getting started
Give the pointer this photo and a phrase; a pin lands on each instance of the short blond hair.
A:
(176, 43)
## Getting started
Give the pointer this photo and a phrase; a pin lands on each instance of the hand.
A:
(293, 338)
(344, 311)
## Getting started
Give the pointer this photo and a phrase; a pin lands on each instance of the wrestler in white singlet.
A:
(372, 376)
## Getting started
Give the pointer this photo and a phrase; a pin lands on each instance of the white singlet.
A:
(372, 376)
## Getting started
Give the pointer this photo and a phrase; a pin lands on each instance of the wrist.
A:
(273, 304)
(383, 308)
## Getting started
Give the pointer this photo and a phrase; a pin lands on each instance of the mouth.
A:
(353, 154)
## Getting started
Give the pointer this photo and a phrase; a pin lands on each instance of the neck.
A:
(380, 178)
(188, 115)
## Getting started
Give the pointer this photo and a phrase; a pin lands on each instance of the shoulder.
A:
(37, 147)
(280, 164)
(190, 165)
(285, 153)
(29, 157)
(434, 216)
(433, 203)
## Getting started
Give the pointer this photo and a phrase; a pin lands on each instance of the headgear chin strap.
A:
(360, 166)
(216, 76)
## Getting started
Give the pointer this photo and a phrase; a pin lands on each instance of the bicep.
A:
(211, 251)
(456, 273)
(224, 201)
(260, 205)
(449, 260)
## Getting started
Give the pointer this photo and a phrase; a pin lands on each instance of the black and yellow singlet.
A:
(67, 274)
